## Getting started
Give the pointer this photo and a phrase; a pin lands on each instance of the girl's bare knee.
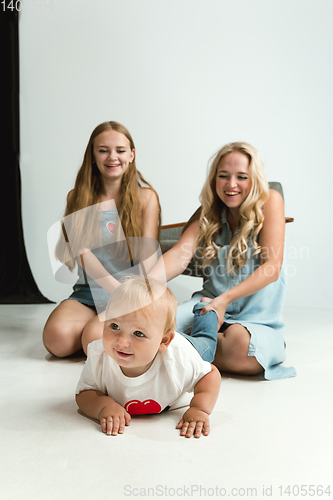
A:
(92, 331)
(63, 330)
(60, 340)
(53, 342)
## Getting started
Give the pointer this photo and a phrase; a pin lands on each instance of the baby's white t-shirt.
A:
(168, 383)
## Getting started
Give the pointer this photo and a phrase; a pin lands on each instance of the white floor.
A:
(265, 436)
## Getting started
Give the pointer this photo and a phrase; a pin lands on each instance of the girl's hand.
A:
(219, 305)
(113, 418)
(193, 423)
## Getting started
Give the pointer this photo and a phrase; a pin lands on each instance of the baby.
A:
(141, 365)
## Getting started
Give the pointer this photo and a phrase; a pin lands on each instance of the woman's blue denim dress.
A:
(260, 313)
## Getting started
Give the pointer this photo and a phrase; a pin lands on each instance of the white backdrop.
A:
(185, 77)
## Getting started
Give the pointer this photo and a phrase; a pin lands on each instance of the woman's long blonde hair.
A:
(87, 192)
(251, 214)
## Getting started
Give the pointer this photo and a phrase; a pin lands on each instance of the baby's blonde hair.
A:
(145, 295)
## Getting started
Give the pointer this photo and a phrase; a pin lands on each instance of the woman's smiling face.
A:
(233, 181)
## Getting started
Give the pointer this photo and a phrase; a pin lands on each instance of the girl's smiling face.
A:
(233, 181)
(112, 153)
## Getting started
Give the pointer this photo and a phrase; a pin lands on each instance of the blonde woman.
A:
(108, 172)
(239, 233)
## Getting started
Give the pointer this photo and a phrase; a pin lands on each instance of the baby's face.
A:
(133, 341)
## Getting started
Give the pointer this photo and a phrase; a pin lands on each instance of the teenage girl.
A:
(108, 172)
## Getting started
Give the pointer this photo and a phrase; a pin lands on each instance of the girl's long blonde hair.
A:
(251, 214)
(87, 192)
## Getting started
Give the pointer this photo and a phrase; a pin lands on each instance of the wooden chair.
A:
(171, 233)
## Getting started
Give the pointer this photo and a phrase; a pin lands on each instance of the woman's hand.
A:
(218, 305)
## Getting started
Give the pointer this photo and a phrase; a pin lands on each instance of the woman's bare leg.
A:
(93, 330)
(63, 330)
(232, 352)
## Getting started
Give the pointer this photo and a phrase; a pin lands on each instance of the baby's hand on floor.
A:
(113, 418)
(194, 422)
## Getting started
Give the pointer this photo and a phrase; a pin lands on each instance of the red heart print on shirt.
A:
(136, 407)
(111, 226)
